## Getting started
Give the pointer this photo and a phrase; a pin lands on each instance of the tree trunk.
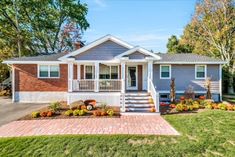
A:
(230, 79)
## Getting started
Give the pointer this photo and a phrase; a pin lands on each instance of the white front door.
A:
(132, 78)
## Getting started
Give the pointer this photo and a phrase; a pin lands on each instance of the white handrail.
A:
(123, 102)
(154, 94)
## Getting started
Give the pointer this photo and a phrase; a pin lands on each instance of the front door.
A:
(132, 78)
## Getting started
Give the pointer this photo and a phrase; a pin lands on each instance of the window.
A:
(108, 72)
(165, 71)
(200, 71)
(89, 72)
(49, 71)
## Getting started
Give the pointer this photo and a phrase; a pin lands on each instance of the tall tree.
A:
(174, 45)
(38, 26)
(212, 32)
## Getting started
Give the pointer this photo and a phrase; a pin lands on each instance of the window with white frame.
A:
(89, 72)
(108, 72)
(48, 71)
(200, 71)
(165, 71)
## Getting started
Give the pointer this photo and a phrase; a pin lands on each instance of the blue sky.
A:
(146, 23)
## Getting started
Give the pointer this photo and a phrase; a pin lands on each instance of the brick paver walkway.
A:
(142, 125)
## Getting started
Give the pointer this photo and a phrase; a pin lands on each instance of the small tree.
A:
(172, 92)
(208, 88)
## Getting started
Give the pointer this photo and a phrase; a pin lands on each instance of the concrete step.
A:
(134, 109)
(139, 106)
(138, 97)
(137, 94)
(137, 101)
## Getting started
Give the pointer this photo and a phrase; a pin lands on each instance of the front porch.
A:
(109, 82)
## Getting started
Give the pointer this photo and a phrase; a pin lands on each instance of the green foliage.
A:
(55, 106)
(35, 114)
(41, 26)
(68, 113)
(110, 112)
(79, 112)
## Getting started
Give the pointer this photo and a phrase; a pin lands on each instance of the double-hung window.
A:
(89, 72)
(108, 72)
(200, 71)
(165, 71)
(48, 71)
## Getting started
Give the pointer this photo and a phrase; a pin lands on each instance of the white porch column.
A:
(97, 73)
(150, 73)
(70, 74)
(13, 83)
(123, 74)
(220, 82)
(78, 71)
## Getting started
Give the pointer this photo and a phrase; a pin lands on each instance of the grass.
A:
(209, 133)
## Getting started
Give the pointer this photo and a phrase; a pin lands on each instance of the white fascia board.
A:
(34, 62)
(98, 42)
(95, 61)
(139, 49)
(156, 62)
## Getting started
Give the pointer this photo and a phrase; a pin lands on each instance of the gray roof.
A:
(186, 58)
(47, 57)
(166, 58)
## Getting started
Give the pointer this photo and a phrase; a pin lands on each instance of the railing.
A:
(110, 85)
(97, 85)
(83, 85)
(123, 109)
(154, 94)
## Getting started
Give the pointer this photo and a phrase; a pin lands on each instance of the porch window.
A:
(200, 71)
(48, 71)
(108, 72)
(89, 72)
(165, 71)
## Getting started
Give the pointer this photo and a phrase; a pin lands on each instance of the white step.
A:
(137, 94)
(138, 109)
(138, 97)
(137, 101)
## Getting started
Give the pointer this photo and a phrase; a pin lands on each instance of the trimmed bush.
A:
(35, 114)
(110, 112)
(55, 106)
(68, 113)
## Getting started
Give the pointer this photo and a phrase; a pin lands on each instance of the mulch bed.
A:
(64, 108)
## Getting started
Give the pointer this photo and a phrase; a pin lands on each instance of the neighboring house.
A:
(112, 71)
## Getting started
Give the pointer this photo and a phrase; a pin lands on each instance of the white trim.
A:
(95, 43)
(139, 49)
(123, 76)
(180, 91)
(49, 70)
(34, 62)
(161, 71)
(70, 76)
(195, 72)
(13, 83)
(78, 71)
(127, 79)
(159, 62)
(220, 82)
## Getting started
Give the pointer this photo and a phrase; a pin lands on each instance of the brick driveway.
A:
(141, 125)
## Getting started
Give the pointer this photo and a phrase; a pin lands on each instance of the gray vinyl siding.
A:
(137, 55)
(105, 51)
(184, 76)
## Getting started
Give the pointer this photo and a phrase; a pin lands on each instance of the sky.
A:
(145, 23)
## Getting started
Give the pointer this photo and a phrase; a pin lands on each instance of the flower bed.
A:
(190, 105)
(77, 109)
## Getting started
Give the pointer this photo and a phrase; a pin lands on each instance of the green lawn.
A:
(209, 133)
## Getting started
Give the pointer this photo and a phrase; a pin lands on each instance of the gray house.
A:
(113, 71)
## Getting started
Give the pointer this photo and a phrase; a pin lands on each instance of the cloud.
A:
(100, 3)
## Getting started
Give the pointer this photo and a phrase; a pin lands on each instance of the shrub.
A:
(89, 107)
(43, 114)
(152, 109)
(179, 107)
(222, 106)
(49, 113)
(110, 112)
(97, 113)
(81, 112)
(215, 106)
(190, 107)
(208, 106)
(35, 114)
(55, 106)
(103, 113)
(195, 105)
(68, 113)
(76, 112)
(230, 107)
(185, 108)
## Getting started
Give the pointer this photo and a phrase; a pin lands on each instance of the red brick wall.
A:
(26, 79)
